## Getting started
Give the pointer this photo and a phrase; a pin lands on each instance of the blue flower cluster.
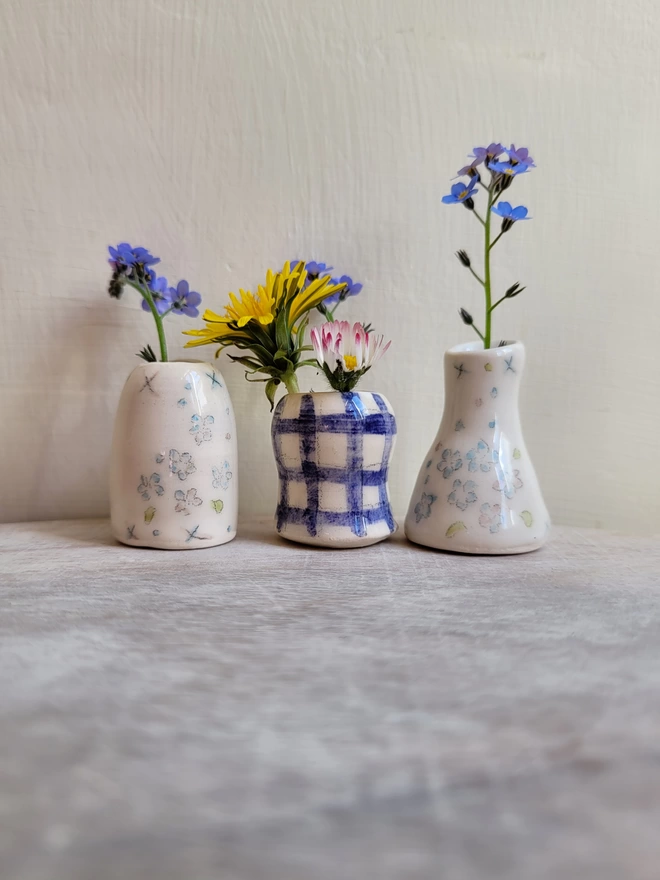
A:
(133, 265)
(504, 165)
(316, 270)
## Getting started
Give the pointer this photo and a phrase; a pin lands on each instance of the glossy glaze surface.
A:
(173, 471)
(477, 491)
(333, 452)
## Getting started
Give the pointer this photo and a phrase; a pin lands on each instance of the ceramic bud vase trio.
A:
(173, 471)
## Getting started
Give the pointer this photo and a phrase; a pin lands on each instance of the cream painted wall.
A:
(227, 136)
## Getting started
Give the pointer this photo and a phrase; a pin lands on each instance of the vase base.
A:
(444, 547)
(332, 542)
(155, 544)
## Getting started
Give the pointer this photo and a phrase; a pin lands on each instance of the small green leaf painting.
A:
(149, 514)
(488, 367)
(527, 518)
(455, 527)
(516, 453)
(217, 505)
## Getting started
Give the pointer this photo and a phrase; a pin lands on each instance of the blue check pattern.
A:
(355, 423)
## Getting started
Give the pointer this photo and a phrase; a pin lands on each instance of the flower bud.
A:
(469, 204)
(116, 286)
(463, 257)
(466, 316)
(514, 290)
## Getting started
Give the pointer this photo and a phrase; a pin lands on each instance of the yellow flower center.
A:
(463, 194)
(350, 361)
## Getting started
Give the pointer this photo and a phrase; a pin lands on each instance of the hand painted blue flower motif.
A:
(491, 517)
(148, 485)
(507, 482)
(479, 458)
(504, 209)
(461, 192)
(423, 507)
(160, 293)
(201, 428)
(181, 464)
(184, 500)
(463, 493)
(450, 461)
(182, 402)
(482, 154)
(459, 426)
(184, 300)
(352, 289)
(221, 476)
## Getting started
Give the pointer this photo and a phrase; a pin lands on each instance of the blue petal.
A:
(449, 200)
(519, 213)
(503, 209)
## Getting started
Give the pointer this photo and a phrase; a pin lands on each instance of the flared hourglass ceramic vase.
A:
(173, 468)
(333, 453)
(477, 491)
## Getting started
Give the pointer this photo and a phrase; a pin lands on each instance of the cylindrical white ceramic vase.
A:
(173, 469)
(333, 452)
(477, 491)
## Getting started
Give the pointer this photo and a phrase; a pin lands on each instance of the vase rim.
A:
(332, 391)
(477, 347)
(178, 361)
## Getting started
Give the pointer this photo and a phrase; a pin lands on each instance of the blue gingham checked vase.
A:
(333, 452)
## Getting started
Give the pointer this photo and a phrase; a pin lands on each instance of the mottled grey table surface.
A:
(264, 711)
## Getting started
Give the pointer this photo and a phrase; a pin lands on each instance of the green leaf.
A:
(252, 363)
(527, 518)
(282, 332)
(263, 354)
(283, 364)
(458, 526)
(218, 505)
(246, 362)
(271, 389)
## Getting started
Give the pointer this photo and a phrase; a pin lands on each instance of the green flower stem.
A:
(496, 239)
(495, 305)
(478, 332)
(146, 295)
(479, 279)
(487, 247)
(291, 382)
(478, 216)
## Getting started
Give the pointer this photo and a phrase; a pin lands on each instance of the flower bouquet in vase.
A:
(477, 491)
(332, 448)
(174, 456)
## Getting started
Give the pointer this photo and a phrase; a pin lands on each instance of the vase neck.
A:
(482, 385)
